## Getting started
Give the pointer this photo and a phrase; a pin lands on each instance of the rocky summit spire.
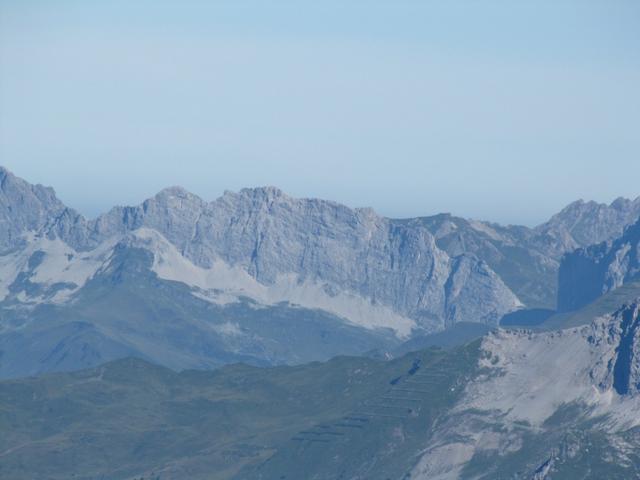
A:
(24, 208)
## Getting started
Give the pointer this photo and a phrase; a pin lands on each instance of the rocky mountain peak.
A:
(3, 173)
(24, 208)
(12, 185)
(173, 201)
(622, 203)
(268, 192)
(172, 192)
(587, 223)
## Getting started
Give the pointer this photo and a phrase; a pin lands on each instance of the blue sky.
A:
(499, 110)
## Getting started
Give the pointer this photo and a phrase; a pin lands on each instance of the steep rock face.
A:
(619, 368)
(271, 235)
(587, 273)
(526, 267)
(470, 289)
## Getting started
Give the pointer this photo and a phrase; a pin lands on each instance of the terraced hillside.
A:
(130, 419)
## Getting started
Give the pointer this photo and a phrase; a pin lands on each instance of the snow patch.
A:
(228, 329)
(62, 264)
(59, 264)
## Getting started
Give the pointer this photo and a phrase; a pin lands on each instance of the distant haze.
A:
(497, 110)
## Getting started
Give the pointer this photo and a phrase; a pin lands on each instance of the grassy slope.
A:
(129, 418)
(606, 304)
(383, 436)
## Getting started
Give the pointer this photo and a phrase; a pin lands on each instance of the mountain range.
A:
(263, 337)
(260, 277)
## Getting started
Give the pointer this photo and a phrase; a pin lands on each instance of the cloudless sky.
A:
(500, 110)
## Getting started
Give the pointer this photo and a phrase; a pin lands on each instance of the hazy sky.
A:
(502, 110)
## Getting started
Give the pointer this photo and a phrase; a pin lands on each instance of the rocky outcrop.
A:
(544, 397)
(528, 259)
(588, 273)
(527, 268)
(619, 366)
(581, 224)
(24, 208)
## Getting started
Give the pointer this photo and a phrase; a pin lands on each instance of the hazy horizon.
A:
(209, 199)
(495, 111)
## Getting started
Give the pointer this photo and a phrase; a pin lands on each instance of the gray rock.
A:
(270, 234)
(526, 267)
(588, 273)
(619, 370)
(581, 224)
(528, 259)
(436, 270)
(24, 208)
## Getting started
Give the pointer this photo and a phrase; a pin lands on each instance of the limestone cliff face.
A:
(270, 235)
